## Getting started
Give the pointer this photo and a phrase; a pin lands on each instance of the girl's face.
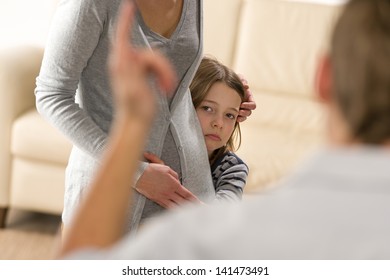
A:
(217, 114)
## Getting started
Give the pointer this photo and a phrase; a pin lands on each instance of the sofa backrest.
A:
(275, 43)
(279, 43)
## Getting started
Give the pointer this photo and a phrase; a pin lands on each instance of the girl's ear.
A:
(323, 80)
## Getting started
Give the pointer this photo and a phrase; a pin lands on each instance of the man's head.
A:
(355, 78)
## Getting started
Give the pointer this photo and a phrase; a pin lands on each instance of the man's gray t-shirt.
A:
(335, 206)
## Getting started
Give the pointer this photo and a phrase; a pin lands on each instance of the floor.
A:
(29, 235)
(28, 220)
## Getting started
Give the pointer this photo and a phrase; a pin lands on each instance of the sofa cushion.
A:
(34, 138)
(37, 185)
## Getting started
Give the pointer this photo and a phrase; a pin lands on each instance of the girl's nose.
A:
(217, 122)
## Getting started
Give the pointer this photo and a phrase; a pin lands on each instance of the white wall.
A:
(25, 21)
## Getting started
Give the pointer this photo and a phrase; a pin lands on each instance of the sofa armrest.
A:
(19, 68)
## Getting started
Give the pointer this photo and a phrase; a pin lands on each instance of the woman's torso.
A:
(175, 135)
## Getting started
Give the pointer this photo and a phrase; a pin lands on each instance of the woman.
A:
(73, 92)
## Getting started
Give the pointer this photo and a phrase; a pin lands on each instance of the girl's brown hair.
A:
(209, 72)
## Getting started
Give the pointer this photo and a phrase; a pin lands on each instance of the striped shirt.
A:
(229, 175)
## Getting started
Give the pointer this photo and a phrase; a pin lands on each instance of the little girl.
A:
(217, 93)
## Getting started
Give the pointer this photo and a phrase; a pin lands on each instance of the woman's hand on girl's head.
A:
(249, 104)
(130, 69)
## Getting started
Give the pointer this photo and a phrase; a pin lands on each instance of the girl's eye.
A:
(231, 116)
(206, 108)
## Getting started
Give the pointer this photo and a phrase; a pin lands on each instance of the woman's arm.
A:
(166, 197)
(230, 176)
(100, 219)
(76, 31)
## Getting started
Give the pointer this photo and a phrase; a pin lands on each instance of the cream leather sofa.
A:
(274, 43)
(33, 154)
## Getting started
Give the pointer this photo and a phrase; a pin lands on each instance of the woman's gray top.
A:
(73, 92)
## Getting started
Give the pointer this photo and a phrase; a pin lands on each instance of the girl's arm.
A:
(100, 219)
(230, 176)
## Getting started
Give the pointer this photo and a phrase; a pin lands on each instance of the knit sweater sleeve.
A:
(75, 32)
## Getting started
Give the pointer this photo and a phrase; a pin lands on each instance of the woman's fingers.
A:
(186, 194)
(153, 158)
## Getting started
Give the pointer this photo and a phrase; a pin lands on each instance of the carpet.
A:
(29, 236)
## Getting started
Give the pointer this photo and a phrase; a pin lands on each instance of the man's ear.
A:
(323, 83)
